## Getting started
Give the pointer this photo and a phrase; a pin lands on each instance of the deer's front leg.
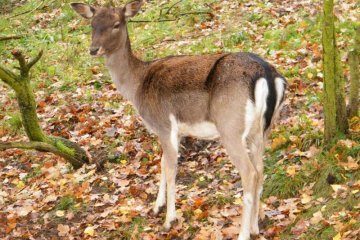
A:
(170, 144)
(160, 200)
(170, 174)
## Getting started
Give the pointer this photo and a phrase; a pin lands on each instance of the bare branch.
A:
(28, 11)
(8, 77)
(22, 62)
(24, 66)
(42, 146)
(5, 38)
(150, 21)
(172, 6)
(35, 60)
(197, 13)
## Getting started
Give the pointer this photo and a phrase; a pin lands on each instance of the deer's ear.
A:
(84, 10)
(131, 9)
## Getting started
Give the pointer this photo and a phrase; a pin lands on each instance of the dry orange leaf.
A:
(291, 171)
(63, 230)
(278, 142)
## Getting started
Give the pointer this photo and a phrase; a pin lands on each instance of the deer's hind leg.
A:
(234, 132)
(256, 143)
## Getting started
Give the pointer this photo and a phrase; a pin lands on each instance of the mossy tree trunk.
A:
(341, 115)
(354, 63)
(329, 46)
(26, 101)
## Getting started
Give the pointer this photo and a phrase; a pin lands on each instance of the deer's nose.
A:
(94, 50)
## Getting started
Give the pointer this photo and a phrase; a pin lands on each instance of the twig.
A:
(4, 38)
(22, 62)
(173, 19)
(25, 66)
(172, 6)
(149, 21)
(209, 5)
(8, 77)
(35, 59)
(197, 13)
(28, 11)
(41, 146)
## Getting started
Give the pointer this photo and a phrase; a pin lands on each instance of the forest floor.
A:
(310, 192)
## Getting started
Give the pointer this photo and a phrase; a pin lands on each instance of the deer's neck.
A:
(126, 71)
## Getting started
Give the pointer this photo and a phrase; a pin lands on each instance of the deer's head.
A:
(108, 24)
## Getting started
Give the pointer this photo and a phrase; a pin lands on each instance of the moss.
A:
(63, 148)
(329, 70)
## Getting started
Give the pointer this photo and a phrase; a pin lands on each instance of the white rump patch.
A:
(261, 94)
(249, 119)
(279, 86)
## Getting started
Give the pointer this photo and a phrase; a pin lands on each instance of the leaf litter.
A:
(42, 197)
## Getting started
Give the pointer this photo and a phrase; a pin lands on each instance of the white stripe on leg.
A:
(160, 200)
(171, 152)
(246, 216)
(171, 189)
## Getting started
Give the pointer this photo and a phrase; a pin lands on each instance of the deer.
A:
(234, 97)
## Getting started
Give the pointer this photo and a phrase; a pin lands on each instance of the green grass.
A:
(13, 124)
(36, 171)
(319, 231)
(65, 203)
(221, 200)
(137, 224)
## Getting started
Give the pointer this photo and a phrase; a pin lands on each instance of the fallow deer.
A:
(232, 96)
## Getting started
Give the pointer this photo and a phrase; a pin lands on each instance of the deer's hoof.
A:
(255, 230)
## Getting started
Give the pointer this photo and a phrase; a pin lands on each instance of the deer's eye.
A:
(117, 25)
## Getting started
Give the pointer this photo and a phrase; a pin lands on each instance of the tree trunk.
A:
(341, 115)
(354, 63)
(26, 101)
(27, 105)
(328, 39)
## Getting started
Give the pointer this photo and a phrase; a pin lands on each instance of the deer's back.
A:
(187, 86)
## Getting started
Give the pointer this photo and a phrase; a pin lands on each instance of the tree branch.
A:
(24, 66)
(150, 21)
(28, 11)
(35, 59)
(42, 146)
(22, 62)
(8, 77)
(197, 13)
(172, 6)
(4, 38)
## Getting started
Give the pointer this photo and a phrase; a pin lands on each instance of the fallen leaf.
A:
(24, 210)
(89, 231)
(278, 142)
(317, 217)
(337, 237)
(305, 198)
(63, 230)
(60, 213)
(338, 188)
(231, 231)
(291, 171)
